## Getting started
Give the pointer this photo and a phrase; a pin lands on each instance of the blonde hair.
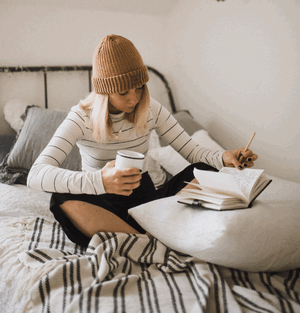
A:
(96, 107)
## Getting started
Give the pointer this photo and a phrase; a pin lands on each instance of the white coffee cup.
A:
(129, 159)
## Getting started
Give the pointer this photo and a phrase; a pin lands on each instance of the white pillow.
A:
(173, 162)
(265, 237)
(156, 172)
(13, 109)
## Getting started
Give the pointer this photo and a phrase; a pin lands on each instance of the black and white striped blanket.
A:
(136, 273)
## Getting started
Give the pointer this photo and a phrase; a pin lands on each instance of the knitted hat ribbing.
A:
(117, 66)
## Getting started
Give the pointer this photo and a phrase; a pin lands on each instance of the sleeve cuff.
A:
(98, 183)
(221, 159)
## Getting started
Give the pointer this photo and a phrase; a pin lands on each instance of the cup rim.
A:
(131, 154)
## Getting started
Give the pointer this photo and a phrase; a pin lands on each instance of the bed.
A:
(191, 260)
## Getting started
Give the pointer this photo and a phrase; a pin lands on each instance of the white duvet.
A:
(17, 201)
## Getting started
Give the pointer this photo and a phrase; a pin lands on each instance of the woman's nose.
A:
(133, 96)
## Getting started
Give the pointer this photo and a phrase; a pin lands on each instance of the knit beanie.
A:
(117, 66)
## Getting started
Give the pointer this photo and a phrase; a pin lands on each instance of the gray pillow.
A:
(39, 127)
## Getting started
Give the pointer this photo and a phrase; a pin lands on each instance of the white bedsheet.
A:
(18, 200)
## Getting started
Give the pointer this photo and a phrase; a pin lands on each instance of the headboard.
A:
(48, 78)
(59, 88)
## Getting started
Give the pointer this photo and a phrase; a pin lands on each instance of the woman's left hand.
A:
(231, 158)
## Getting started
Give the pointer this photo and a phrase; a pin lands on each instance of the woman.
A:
(118, 114)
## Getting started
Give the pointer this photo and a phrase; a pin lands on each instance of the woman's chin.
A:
(130, 110)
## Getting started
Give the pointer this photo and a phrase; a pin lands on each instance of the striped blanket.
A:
(137, 273)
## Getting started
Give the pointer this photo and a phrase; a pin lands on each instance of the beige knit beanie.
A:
(117, 66)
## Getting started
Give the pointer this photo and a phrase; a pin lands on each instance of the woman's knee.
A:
(91, 219)
(81, 216)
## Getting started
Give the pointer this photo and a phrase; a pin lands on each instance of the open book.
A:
(229, 188)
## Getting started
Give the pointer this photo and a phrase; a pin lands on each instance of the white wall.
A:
(49, 35)
(236, 66)
(44, 35)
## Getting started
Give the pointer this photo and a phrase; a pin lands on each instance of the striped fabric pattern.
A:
(47, 175)
(136, 273)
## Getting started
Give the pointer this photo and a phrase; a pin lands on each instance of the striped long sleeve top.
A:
(47, 175)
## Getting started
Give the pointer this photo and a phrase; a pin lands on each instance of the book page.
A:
(218, 183)
(245, 179)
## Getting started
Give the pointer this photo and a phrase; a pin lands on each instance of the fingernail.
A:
(249, 159)
(245, 165)
(240, 167)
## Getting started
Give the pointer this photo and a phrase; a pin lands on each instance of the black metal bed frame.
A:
(48, 69)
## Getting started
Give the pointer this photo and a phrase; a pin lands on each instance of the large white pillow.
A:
(265, 237)
(172, 161)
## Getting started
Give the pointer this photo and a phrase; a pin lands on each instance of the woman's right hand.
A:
(120, 181)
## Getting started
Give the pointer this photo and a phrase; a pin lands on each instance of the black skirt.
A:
(119, 205)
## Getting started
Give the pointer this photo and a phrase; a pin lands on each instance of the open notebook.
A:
(229, 188)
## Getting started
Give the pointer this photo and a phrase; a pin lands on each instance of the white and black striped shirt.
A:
(46, 174)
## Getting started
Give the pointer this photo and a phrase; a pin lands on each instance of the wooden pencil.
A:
(247, 147)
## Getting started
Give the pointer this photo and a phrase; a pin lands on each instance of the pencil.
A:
(247, 147)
